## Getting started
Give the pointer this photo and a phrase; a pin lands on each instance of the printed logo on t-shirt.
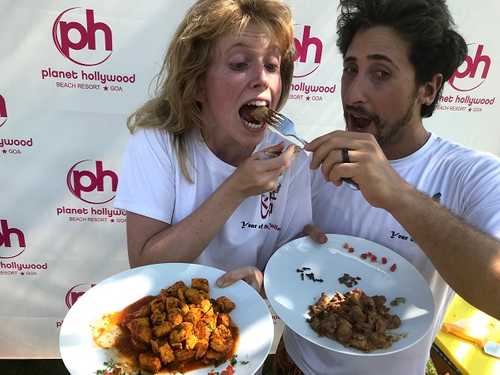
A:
(267, 202)
(266, 209)
(400, 236)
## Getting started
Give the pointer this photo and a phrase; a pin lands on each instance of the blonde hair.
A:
(174, 107)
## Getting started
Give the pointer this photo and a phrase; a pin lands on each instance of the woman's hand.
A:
(260, 172)
(251, 275)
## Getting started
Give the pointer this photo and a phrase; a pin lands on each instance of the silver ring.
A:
(345, 155)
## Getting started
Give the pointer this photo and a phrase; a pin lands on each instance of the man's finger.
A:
(329, 162)
(314, 144)
(320, 154)
(315, 233)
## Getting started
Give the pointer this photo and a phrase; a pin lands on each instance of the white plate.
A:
(251, 315)
(290, 296)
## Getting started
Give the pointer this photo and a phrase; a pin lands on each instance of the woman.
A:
(196, 180)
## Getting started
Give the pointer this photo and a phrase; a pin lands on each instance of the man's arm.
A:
(467, 259)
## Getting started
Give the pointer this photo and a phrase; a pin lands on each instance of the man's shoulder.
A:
(455, 154)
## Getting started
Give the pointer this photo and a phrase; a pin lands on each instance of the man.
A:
(434, 202)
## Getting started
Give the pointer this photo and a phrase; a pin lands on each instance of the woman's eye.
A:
(239, 66)
(272, 68)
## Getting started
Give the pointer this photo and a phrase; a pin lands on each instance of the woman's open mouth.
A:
(254, 114)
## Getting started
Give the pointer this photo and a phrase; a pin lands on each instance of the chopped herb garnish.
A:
(109, 367)
(397, 301)
(234, 361)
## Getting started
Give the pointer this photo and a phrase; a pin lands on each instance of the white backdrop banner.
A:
(71, 72)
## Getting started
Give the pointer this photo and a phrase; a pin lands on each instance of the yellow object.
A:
(462, 337)
(465, 329)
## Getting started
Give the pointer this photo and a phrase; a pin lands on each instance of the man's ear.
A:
(429, 90)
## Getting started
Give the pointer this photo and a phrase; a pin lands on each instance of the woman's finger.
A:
(229, 278)
(251, 275)
(269, 152)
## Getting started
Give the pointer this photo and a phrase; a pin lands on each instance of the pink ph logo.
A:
(74, 40)
(3, 111)
(308, 53)
(91, 183)
(473, 72)
(76, 292)
(12, 241)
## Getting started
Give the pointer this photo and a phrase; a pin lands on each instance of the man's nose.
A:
(355, 91)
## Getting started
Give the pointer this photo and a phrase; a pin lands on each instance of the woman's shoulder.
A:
(151, 135)
(156, 139)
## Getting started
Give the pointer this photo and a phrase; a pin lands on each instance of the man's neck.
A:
(408, 143)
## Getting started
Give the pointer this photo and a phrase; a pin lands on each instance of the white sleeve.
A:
(325, 214)
(299, 212)
(481, 195)
(146, 183)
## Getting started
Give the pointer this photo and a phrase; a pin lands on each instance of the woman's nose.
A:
(260, 77)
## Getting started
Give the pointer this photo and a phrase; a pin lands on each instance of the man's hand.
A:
(368, 166)
(251, 275)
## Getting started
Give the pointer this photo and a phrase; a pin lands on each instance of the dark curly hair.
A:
(427, 25)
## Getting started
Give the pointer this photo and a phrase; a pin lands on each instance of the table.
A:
(466, 356)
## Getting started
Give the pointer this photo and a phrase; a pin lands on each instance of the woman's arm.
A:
(153, 241)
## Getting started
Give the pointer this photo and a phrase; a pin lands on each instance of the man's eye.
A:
(239, 66)
(381, 75)
(349, 69)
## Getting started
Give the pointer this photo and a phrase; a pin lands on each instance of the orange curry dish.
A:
(179, 330)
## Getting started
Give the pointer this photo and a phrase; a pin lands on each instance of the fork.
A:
(284, 126)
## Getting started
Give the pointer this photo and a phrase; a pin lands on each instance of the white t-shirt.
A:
(467, 182)
(152, 184)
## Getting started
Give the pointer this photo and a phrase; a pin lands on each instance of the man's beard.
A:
(386, 133)
(389, 133)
